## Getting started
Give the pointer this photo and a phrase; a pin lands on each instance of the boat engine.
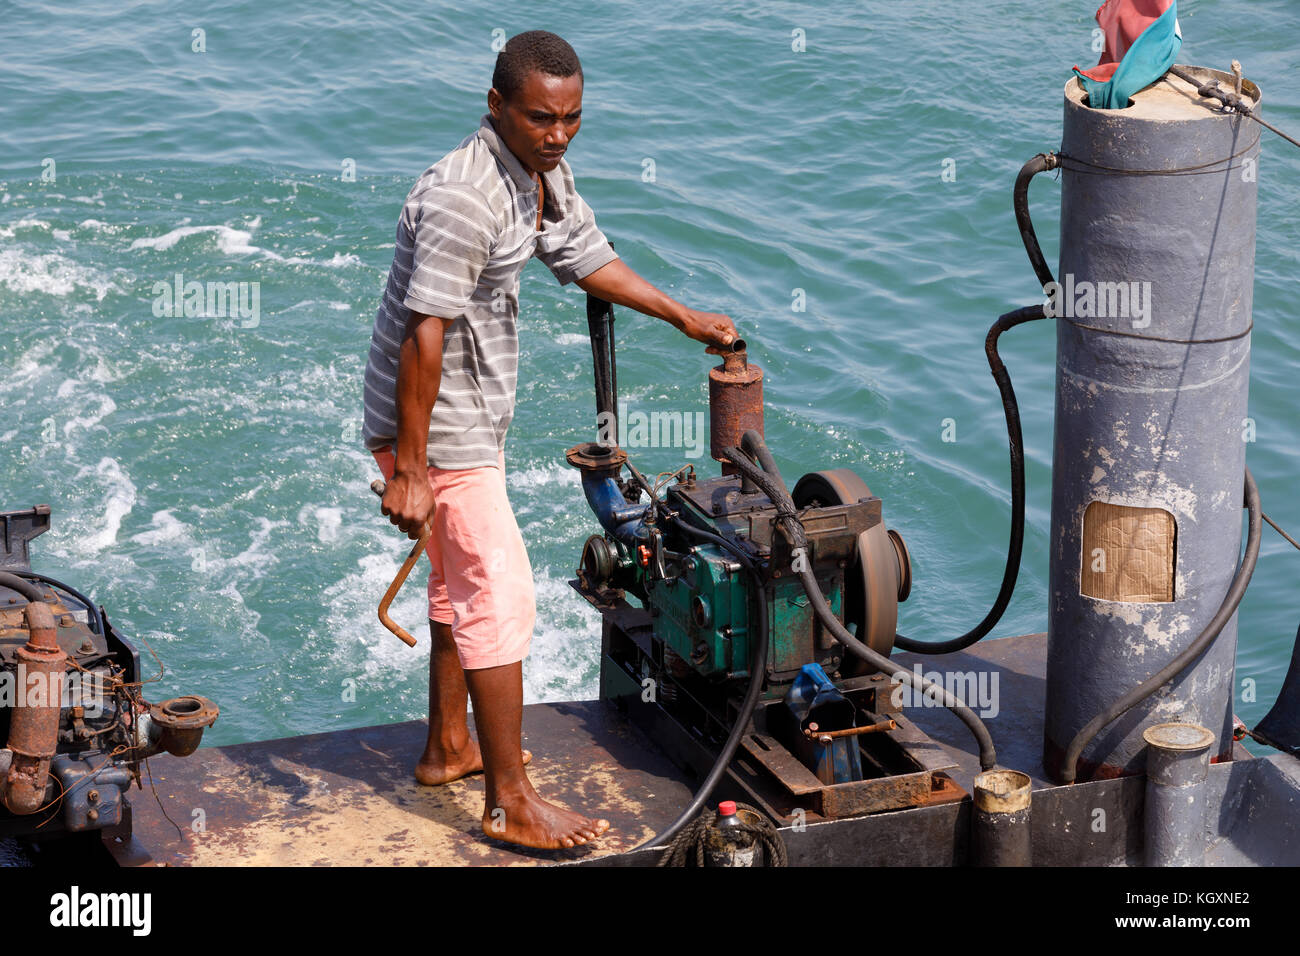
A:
(75, 724)
(719, 577)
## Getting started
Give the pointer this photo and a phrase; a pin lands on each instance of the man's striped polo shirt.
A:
(466, 231)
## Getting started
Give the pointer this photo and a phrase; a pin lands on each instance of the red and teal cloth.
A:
(1142, 41)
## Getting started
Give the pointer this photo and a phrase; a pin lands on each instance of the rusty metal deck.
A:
(348, 798)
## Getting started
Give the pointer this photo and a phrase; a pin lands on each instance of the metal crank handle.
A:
(379, 487)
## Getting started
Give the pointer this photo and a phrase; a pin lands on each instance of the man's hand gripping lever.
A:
(380, 488)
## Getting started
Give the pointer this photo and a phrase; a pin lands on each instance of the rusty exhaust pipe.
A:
(181, 722)
(34, 728)
(735, 401)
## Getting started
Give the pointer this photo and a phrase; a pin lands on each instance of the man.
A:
(440, 387)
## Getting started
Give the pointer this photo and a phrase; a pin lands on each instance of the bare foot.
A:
(531, 821)
(438, 766)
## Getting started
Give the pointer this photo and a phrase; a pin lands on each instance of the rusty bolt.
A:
(93, 796)
(92, 815)
(87, 646)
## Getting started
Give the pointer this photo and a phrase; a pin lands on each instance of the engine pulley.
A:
(881, 574)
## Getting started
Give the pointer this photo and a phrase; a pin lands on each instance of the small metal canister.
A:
(735, 401)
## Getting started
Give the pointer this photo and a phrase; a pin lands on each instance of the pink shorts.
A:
(481, 582)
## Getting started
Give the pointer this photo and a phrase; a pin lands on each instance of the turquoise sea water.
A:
(206, 476)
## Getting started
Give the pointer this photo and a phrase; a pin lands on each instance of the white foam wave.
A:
(33, 365)
(51, 274)
(8, 231)
(166, 529)
(326, 522)
(89, 420)
(233, 241)
(336, 261)
(97, 225)
(356, 635)
(243, 618)
(541, 476)
(253, 558)
(119, 498)
(563, 661)
(308, 303)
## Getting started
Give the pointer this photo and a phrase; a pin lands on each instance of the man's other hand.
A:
(711, 328)
(408, 502)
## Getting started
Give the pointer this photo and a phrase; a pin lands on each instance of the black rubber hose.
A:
(1020, 201)
(1015, 547)
(1011, 571)
(1203, 640)
(95, 615)
(774, 486)
(753, 443)
(757, 672)
(14, 583)
(598, 326)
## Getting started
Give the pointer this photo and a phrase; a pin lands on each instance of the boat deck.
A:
(349, 798)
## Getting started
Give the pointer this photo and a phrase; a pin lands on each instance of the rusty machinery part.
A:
(904, 564)
(881, 574)
(735, 401)
(182, 721)
(598, 561)
(595, 457)
(813, 732)
(34, 729)
(88, 721)
(379, 487)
